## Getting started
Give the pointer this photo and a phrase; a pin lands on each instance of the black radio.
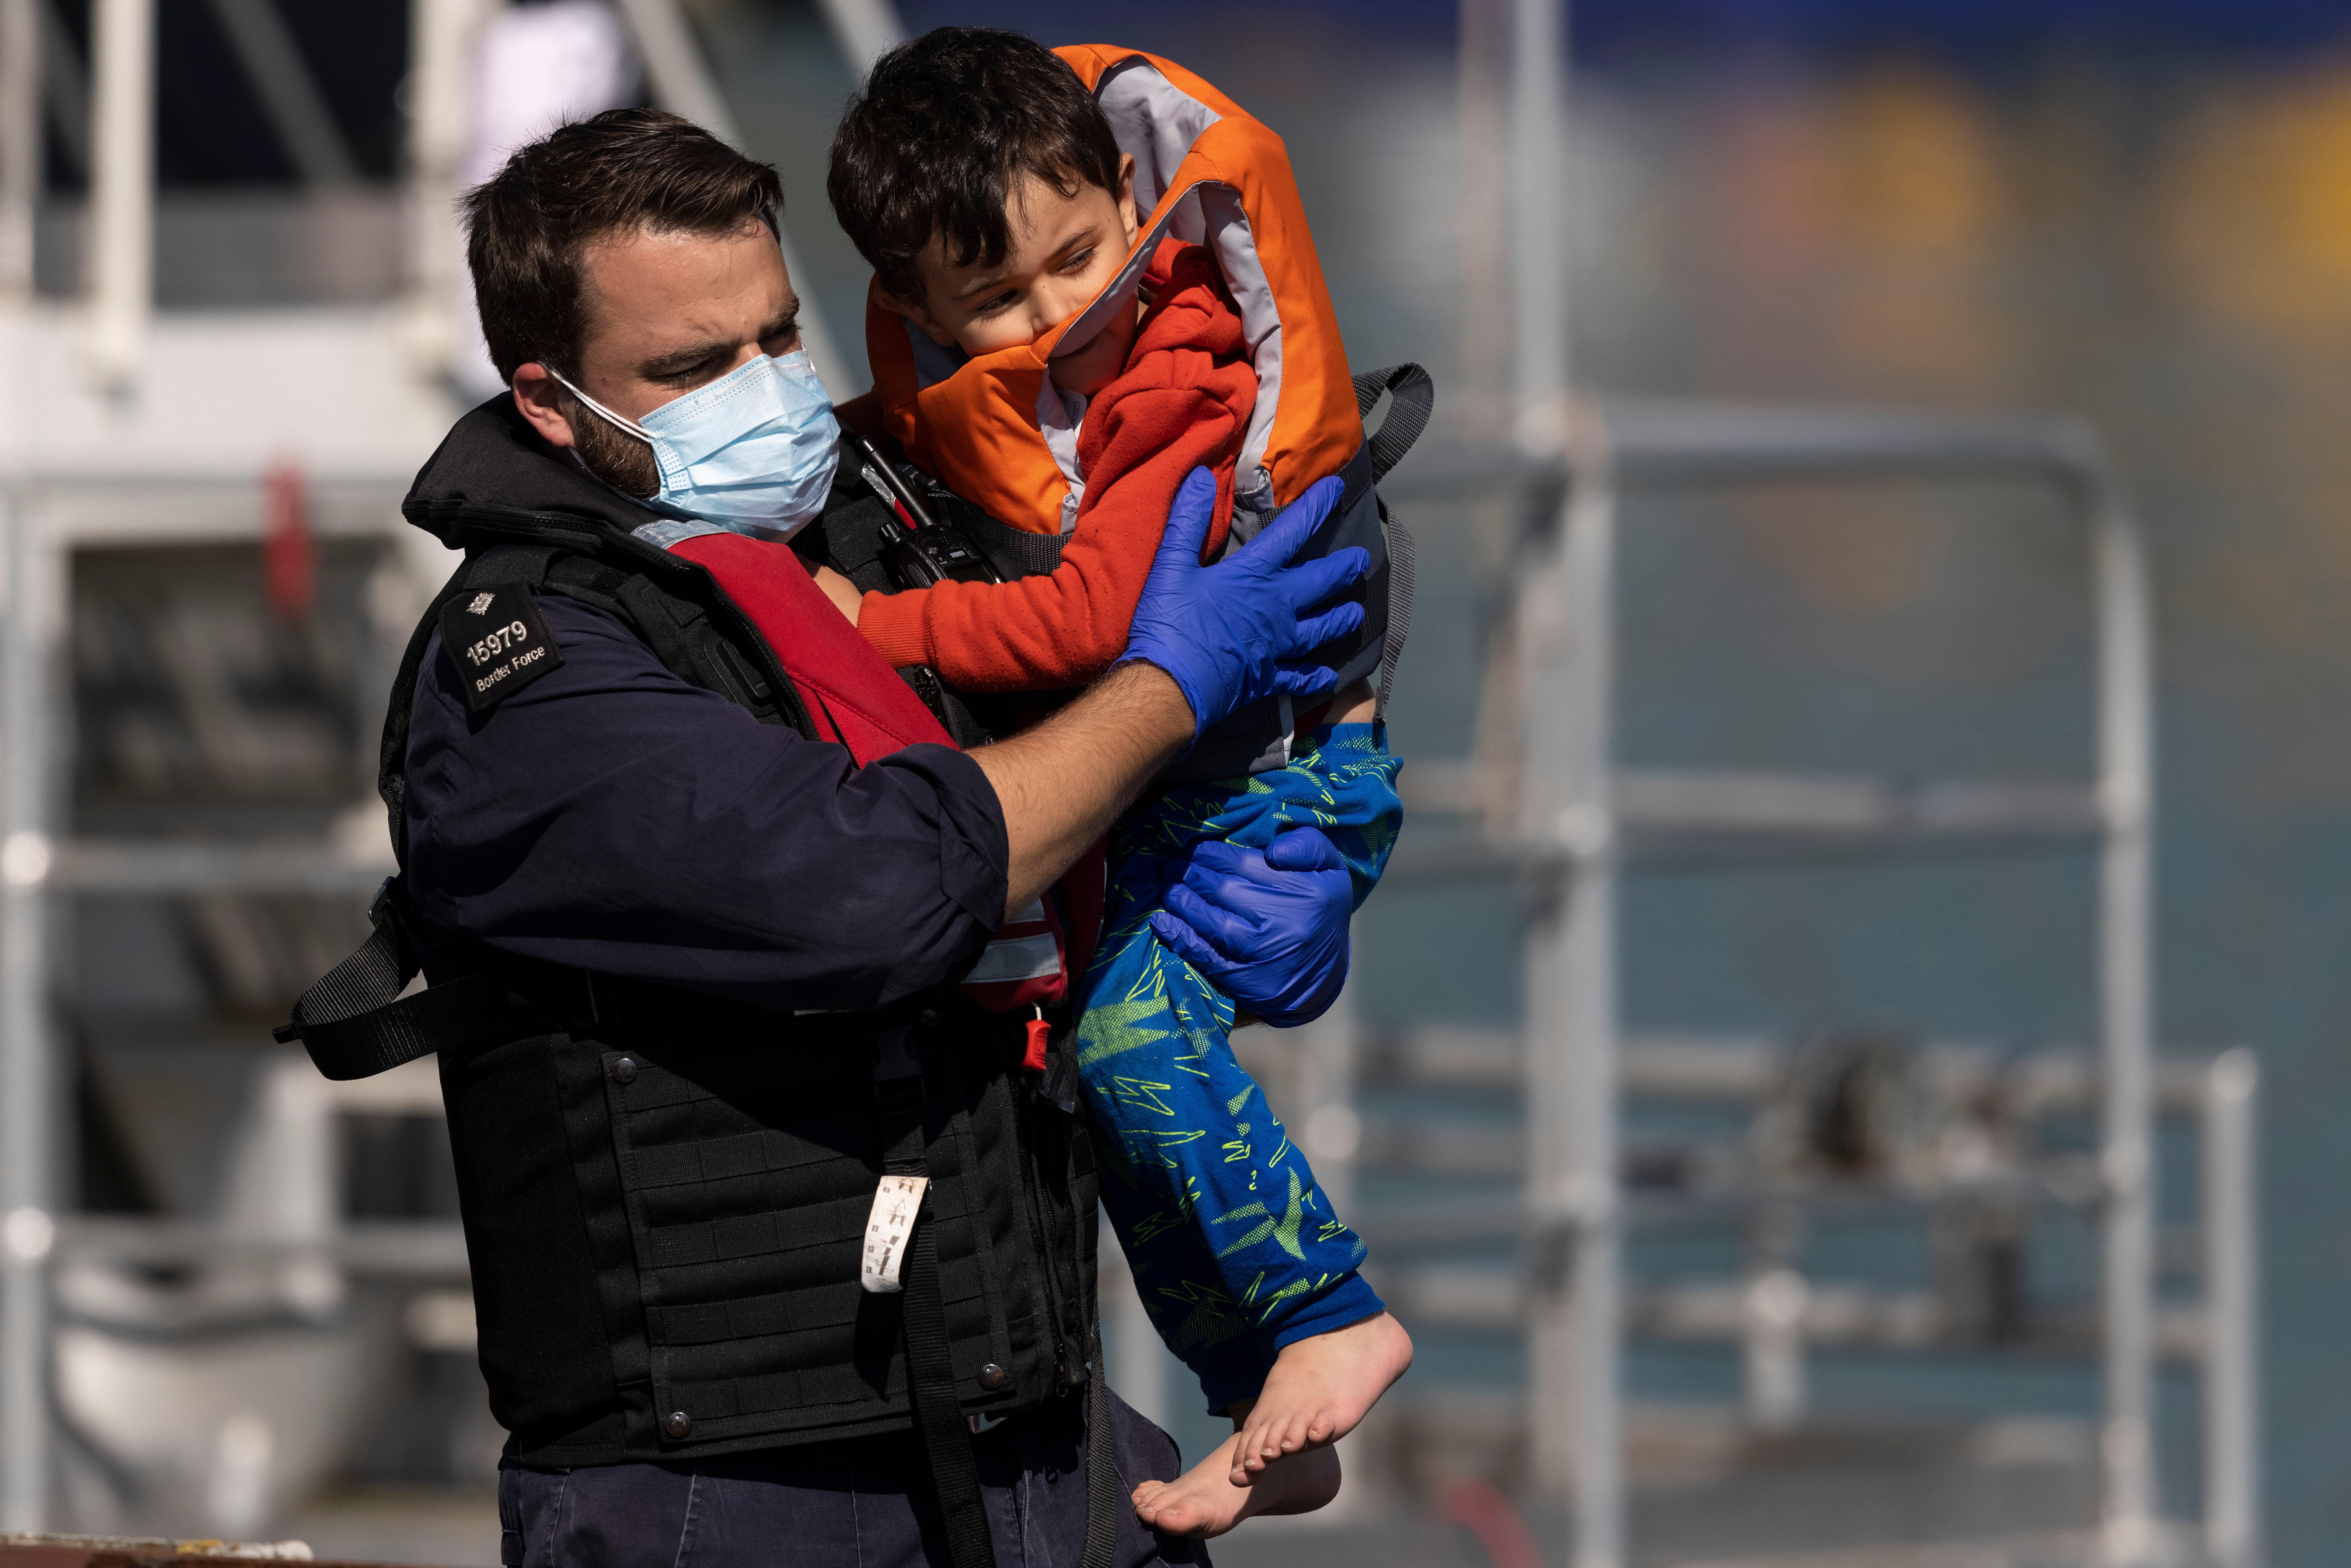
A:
(917, 547)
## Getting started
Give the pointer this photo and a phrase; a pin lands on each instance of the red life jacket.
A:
(855, 699)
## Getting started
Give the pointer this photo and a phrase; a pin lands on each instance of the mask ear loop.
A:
(607, 415)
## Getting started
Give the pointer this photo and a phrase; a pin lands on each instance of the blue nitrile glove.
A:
(1232, 632)
(1269, 930)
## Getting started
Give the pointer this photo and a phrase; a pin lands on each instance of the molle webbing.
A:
(747, 1173)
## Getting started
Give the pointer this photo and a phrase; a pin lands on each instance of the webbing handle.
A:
(354, 1021)
(1413, 398)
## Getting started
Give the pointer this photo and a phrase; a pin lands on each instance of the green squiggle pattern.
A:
(1226, 1230)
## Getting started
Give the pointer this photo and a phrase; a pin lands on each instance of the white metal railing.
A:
(1582, 823)
(88, 463)
(37, 866)
(27, 1151)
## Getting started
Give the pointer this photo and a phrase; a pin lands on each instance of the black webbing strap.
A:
(355, 1023)
(1103, 1493)
(938, 1412)
(1355, 480)
(1412, 397)
(930, 1367)
(1401, 553)
(898, 1096)
(852, 542)
(1016, 551)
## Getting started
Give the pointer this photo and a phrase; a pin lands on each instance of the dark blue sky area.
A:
(1965, 24)
(1606, 27)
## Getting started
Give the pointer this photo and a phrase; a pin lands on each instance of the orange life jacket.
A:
(992, 426)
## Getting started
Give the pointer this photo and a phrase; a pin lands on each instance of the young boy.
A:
(1032, 355)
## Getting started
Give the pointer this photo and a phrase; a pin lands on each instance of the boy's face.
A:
(1062, 251)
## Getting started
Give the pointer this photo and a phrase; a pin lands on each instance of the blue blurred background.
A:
(2134, 210)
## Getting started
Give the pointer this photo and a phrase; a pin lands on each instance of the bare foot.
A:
(1205, 1500)
(1319, 1389)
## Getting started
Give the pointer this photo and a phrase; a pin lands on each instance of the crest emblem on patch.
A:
(496, 660)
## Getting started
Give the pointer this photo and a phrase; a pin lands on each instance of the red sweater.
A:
(1183, 402)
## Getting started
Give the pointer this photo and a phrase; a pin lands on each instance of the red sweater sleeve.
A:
(1184, 401)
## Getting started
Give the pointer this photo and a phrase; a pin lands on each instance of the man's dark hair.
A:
(624, 171)
(935, 141)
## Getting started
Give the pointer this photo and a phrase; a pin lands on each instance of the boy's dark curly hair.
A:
(934, 141)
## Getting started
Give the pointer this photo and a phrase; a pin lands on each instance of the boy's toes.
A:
(1180, 1516)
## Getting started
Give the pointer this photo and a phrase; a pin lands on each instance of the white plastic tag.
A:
(896, 1203)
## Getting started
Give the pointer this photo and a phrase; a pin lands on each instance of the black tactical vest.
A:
(665, 1193)
(700, 1173)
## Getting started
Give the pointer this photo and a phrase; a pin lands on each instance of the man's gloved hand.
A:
(1269, 930)
(1232, 632)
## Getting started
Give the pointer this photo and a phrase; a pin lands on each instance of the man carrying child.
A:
(720, 925)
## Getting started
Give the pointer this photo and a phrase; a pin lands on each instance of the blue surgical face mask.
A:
(753, 452)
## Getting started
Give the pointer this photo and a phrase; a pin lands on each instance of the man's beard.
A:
(616, 457)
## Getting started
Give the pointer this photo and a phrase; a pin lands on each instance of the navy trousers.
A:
(864, 1503)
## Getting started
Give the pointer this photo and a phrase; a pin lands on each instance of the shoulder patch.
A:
(499, 642)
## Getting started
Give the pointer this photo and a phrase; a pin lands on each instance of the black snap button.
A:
(928, 1018)
(993, 1378)
(624, 1071)
(678, 1424)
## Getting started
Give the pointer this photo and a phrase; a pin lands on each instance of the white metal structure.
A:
(441, 35)
(1583, 821)
(106, 413)
(298, 111)
(121, 426)
(122, 189)
(180, 463)
(1578, 822)
(1773, 1309)
(864, 30)
(20, 144)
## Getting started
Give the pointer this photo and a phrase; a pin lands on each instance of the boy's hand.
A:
(1230, 633)
(1269, 930)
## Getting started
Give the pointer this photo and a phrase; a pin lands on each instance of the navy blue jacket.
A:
(612, 817)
